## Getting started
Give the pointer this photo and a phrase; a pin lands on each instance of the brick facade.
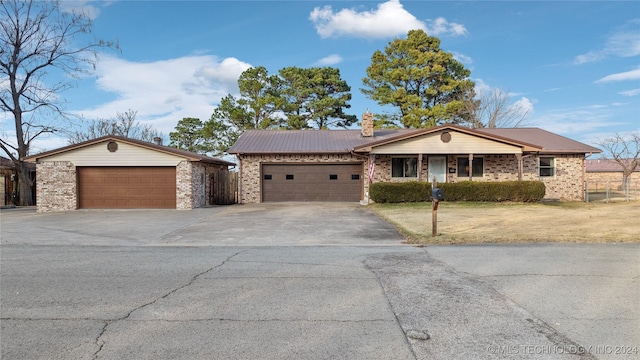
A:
(193, 183)
(567, 183)
(250, 170)
(612, 179)
(56, 186)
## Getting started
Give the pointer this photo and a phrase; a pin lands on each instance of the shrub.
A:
(414, 191)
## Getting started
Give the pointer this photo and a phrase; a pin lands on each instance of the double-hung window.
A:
(477, 167)
(404, 167)
(547, 166)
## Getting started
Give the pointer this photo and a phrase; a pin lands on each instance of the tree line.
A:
(423, 85)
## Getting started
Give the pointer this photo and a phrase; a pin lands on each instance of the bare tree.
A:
(625, 150)
(40, 57)
(124, 124)
(496, 110)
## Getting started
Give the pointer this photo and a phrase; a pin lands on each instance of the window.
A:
(547, 166)
(404, 167)
(289, 177)
(333, 177)
(355, 177)
(463, 167)
(268, 177)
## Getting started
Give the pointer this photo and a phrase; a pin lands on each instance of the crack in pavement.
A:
(550, 275)
(265, 320)
(101, 343)
(459, 312)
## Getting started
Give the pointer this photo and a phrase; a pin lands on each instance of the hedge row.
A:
(414, 191)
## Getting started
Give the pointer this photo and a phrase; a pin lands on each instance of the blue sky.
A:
(574, 65)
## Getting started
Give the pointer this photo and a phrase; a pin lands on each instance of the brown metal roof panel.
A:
(606, 165)
(550, 142)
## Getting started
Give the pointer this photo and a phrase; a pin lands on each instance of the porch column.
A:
(520, 166)
(419, 165)
(470, 167)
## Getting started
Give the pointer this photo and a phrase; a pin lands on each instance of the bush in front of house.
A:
(411, 191)
(414, 191)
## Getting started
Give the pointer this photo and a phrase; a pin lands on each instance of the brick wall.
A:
(600, 180)
(250, 167)
(193, 181)
(567, 184)
(56, 186)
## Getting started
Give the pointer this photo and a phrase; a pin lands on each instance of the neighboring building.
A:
(603, 172)
(9, 182)
(116, 172)
(334, 165)
(7, 176)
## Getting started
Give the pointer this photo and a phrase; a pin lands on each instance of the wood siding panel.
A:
(127, 187)
(312, 182)
(126, 155)
(460, 144)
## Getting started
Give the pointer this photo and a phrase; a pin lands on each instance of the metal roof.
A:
(606, 165)
(548, 141)
(343, 141)
(306, 141)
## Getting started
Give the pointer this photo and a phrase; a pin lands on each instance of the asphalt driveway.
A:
(279, 224)
(300, 281)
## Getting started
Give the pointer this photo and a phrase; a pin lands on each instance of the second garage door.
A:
(311, 182)
(127, 187)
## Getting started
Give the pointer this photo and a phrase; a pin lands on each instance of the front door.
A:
(438, 168)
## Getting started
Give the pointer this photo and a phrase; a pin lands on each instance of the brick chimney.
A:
(367, 124)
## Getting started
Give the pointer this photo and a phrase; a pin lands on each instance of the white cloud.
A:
(389, 19)
(523, 106)
(441, 26)
(165, 91)
(82, 6)
(467, 60)
(625, 42)
(632, 92)
(577, 120)
(623, 76)
(329, 60)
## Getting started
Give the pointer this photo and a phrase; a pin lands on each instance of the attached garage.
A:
(120, 173)
(311, 182)
(126, 187)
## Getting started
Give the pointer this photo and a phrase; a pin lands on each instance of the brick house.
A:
(338, 165)
(116, 172)
(607, 172)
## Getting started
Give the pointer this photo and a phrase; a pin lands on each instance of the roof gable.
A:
(460, 140)
(157, 152)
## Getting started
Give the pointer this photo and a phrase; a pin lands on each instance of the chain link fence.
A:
(610, 191)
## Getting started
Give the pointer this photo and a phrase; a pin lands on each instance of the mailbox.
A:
(437, 194)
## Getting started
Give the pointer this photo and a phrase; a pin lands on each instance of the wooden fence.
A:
(224, 188)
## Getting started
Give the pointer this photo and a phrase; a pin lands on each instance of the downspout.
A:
(239, 179)
(585, 188)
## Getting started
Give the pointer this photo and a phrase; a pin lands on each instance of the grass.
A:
(471, 222)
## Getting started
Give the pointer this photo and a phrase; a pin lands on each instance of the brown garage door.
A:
(311, 182)
(127, 187)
